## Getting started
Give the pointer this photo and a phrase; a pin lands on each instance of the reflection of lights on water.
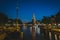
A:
(37, 30)
(30, 29)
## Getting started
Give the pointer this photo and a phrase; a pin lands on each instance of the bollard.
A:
(50, 35)
(55, 37)
(59, 37)
(21, 35)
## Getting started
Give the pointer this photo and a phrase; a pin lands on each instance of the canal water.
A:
(27, 34)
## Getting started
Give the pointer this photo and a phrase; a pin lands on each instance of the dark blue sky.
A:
(28, 7)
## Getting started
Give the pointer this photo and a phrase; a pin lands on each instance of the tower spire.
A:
(33, 19)
(17, 15)
(17, 9)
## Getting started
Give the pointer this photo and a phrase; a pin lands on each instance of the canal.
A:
(41, 34)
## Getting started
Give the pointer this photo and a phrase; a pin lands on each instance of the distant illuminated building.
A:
(33, 27)
(33, 20)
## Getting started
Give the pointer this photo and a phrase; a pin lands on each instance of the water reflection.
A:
(27, 34)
